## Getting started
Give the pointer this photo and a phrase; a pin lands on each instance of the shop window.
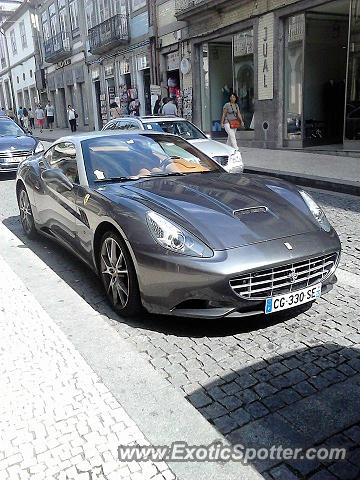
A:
(352, 122)
(243, 52)
(294, 66)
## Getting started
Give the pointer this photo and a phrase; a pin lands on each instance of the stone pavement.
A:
(57, 419)
(292, 379)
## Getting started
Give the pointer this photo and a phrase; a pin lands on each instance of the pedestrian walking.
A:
(169, 108)
(20, 114)
(72, 116)
(157, 106)
(10, 113)
(231, 120)
(40, 117)
(114, 110)
(26, 119)
(31, 119)
(50, 115)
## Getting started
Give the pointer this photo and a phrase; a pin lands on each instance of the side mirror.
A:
(56, 176)
(208, 136)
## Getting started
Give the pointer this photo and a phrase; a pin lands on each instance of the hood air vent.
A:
(248, 211)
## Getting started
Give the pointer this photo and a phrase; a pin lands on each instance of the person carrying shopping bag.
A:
(231, 120)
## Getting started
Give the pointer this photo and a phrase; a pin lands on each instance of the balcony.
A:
(57, 47)
(187, 8)
(108, 34)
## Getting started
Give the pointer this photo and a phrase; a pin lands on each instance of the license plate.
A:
(289, 300)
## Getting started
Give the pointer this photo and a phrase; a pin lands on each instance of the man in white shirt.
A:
(50, 114)
(169, 108)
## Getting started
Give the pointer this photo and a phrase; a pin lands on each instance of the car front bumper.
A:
(199, 287)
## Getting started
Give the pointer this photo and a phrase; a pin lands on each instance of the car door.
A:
(57, 208)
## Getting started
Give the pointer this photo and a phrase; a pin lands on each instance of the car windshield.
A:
(10, 128)
(129, 157)
(184, 129)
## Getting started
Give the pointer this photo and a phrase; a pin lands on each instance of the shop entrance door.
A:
(147, 95)
(325, 60)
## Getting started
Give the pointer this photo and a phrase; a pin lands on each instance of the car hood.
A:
(205, 204)
(12, 143)
(212, 148)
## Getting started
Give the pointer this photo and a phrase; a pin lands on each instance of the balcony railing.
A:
(108, 34)
(185, 8)
(57, 47)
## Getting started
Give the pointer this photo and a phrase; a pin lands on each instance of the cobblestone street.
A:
(292, 379)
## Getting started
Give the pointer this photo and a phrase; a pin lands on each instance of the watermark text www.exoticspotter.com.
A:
(217, 451)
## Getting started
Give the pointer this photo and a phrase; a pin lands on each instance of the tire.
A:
(26, 215)
(118, 275)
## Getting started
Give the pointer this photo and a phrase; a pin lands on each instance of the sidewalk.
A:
(58, 420)
(51, 136)
(329, 172)
(73, 391)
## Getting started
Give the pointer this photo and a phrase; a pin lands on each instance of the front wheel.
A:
(118, 275)
(26, 215)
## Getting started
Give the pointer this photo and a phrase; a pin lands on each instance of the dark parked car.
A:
(166, 228)
(15, 145)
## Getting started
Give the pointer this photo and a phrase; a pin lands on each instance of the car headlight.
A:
(235, 162)
(39, 148)
(316, 210)
(175, 238)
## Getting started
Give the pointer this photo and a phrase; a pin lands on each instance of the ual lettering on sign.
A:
(265, 54)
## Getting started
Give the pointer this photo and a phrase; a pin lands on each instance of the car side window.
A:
(63, 156)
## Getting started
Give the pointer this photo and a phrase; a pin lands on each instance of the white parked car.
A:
(229, 158)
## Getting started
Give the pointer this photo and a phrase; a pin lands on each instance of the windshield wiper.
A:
(169, 174)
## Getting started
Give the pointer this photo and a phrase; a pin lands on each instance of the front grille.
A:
(284, 279)
(17, 153)
(221, 160)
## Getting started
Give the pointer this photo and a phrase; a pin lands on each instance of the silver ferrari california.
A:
(169, 231)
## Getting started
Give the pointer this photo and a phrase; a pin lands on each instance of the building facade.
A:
(63, 70)
(20, 30)
(294, 66)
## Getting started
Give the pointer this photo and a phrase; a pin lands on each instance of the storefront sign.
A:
(243, 44)
(95, 74)
(296, 28)
(142, 62)
(266, 57)
(173, 61)
(63, 63)
(155, 90)
(124, 67)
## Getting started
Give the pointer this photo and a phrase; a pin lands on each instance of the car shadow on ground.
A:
(85, 282)
(7, 176)
(305, 398)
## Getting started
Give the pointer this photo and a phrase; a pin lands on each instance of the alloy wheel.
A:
(114, 272)
(25, 212)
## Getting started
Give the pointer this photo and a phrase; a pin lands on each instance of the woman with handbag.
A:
(72, 116)
(231, 120)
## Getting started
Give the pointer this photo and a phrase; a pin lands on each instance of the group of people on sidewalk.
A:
(29, 119)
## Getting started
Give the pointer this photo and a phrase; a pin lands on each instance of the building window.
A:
(13, 42)
(17, 79)
(23, 35)
(53, 20)
(45, 25)
(31, 73)
(74, 18)
(243, 51)
(23, 76)
(294, 66)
